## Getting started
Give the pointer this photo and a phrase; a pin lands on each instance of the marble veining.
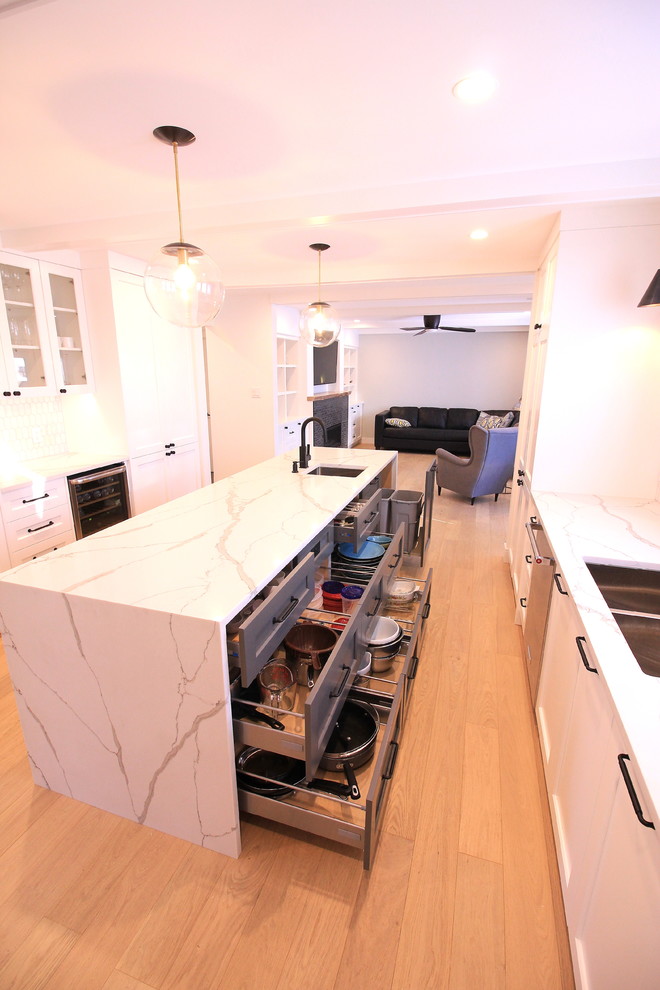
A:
(611, 530)
(117, 652)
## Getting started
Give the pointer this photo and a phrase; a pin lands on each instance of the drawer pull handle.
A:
(523, 602)
(287, 611)
(557, 578)
(377, 602)
(347, 670)
(414, 664)
(622, 757)
(391, 763)
(426, 611)
(35, 529)
(528, 558)
(37, 498)
(580, 640)
(397, 558)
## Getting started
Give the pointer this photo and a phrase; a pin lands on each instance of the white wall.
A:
(600, 406)
(478, 371)
(240, 354)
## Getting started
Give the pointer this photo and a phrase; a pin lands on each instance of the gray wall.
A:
(475, 370)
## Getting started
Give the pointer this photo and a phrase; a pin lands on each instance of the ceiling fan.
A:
(433, 323)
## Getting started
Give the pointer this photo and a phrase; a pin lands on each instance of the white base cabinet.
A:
(355, 423)
(163, 475)
(609, 861)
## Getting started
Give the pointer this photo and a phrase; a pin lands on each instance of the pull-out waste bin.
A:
(406, 507)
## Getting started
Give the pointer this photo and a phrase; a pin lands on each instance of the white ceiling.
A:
(326, 122)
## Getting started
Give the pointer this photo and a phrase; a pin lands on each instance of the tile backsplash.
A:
(33, 427)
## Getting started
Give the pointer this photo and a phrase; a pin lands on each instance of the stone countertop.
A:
(206, 554)
(17, 473)
(611, 530)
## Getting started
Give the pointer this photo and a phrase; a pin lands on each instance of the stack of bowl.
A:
(384, 643)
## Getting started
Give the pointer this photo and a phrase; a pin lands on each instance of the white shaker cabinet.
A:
(44, 346)
(157, 362)
(354, 423)
(615, 923)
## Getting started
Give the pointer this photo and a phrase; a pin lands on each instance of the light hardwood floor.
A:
(464, 890)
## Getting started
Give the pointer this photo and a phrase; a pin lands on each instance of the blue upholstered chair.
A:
(487, 469)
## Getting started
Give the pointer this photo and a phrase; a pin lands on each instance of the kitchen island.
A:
(117, 650)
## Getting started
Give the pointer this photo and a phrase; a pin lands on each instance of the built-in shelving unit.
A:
(287, 378)
(350, 369)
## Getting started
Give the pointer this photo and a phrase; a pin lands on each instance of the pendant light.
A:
(182, 283)
(652, 295)
(319, 323)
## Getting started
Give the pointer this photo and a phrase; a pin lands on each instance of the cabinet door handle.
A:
(523, 602)
(537, 326)
(519, 482)
(35, 529)
(347, 670)
(533, 519)
(391, 763)
(528, 558)
(426, 610)
(287, 611)
(632, 793)
(414, 664)
(62, 390)
(557, 578)
(36, 498)
(580, 640)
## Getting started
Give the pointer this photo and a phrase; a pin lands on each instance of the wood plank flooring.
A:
(463, 894)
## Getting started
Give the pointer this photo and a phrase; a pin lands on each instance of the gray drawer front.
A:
(264, 630)
(365, 521)
(321, 546)
(382, 777)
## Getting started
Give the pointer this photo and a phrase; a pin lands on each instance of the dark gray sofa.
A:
(431, 427)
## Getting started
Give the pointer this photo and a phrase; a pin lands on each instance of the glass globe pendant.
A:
(182, 283)
(319, 323)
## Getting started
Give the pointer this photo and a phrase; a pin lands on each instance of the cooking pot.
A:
(308, 645)
(282, 771)
(352, 742)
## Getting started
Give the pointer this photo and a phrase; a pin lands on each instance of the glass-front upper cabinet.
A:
(64, 304)
(44, 345)
(23, 328)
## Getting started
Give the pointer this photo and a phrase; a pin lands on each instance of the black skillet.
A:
(282, 771)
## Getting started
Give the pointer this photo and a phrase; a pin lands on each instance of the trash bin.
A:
(406, 507)
(384, 505)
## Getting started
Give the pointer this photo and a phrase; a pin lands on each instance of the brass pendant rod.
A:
(178, 190)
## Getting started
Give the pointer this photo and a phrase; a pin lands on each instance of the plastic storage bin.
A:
(406, 507)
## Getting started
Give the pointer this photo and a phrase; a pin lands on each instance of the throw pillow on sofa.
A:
(395, 421)
(494, 422)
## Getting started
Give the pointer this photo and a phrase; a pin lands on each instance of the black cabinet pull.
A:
(521, 474)
(528, 558)
(62, 390)
(519, 482)
(523, 602)
(397, 558)
(377, 602)
(6, 393)
(426, 610)
(35, 529)
(36, 498)
(414, 664)
(287, 611)
(537, 326)
(557, 578)
(16, 393)
(347, 671)
(533, 520)
(391, 763)
(580, 640)
(632, 793)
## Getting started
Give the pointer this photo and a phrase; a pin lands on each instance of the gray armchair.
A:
(487, 469)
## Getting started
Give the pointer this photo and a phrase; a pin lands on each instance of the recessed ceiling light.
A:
(475, 88)
(479, 234)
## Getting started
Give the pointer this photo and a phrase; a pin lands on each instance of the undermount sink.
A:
(336, 471)
(633, 596)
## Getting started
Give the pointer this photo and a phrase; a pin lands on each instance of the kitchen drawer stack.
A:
(36, 518)
(304, 731)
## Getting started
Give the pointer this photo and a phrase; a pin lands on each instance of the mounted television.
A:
(326, 368)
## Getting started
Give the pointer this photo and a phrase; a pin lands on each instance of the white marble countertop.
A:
(615, 530)
(17, 473)
(207, 553)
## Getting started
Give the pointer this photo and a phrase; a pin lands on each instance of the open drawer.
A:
(358, 823)
(358, 519)
(263, 631)
(308, 727)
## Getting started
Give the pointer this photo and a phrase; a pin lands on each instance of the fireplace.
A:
(333, 413)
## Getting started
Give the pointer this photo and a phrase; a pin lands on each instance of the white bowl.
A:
(386, 631)
(402, 590)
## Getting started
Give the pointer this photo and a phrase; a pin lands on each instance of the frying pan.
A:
(280, 768)
(352, 742)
